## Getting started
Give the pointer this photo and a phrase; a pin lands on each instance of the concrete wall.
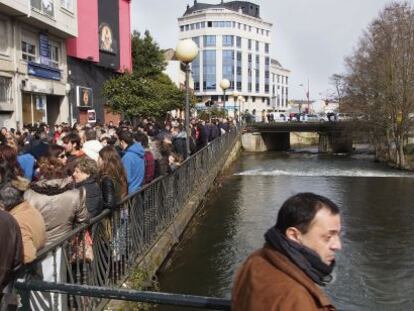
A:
(262, 142)
(298, 140)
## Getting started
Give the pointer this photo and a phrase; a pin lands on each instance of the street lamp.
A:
(241, 101)
(307, 95)
(224, 84)
(186, 51)
(235, 98)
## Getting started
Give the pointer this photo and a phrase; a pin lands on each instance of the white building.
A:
(280, 86)
(234, 44)
(175, 70)
(33, 66)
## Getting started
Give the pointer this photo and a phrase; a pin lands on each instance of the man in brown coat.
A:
(297, 258)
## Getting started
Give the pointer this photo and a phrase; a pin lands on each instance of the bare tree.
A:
(380, 78)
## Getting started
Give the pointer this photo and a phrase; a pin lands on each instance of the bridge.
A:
(135, 237)
(333, 136)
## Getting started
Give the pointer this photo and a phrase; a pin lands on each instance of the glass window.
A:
(197, 25)
(54, 52)
(266, 47)
(239, 25)
(209, 41)
(209, 24)
(196, 40)
(187, 27)
(257, 30)
(234, 24)
(262, 31)
(250, 44)
(228, 40)
(209, 69)
(238, 42)
(257, 46)
(192, 26)
(228, 67)
(203, 24)
(181, 28)
(67, 4)
(195, 66)
(245, 27)
(5, 90)
(44, 6)
(257, 61)
(28, 52)
(250, 28)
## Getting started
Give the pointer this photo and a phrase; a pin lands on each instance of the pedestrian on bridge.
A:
(296, 260)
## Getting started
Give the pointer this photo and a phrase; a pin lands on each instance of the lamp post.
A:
(241, 102)
(224, 84)
(235, 98)
(186, 51)
(307, 95)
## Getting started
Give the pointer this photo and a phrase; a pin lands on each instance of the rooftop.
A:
(245, 7)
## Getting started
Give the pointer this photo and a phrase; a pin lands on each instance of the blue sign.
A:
(44, 50)
(43, 71)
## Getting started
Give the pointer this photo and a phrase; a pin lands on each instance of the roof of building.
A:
(246, 7)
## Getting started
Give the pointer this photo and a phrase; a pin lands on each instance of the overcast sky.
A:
(309, 37)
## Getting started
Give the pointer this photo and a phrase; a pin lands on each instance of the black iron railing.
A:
(118, 237)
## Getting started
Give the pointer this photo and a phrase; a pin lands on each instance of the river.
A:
(375, 269)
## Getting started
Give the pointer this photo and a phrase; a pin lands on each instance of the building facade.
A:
(33, 66)
(101, 51)
(280, 86)
(235, 44)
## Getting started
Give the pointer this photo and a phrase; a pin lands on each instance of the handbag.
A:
(82, 249)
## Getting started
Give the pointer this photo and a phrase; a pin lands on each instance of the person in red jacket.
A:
(148, 157)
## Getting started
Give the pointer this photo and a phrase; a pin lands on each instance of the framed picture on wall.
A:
(91, 116)
(84, 96)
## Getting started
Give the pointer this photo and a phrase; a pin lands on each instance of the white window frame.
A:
(42, 9)
(68, 5)
(53, 62)
(30, 41)
(7, 95)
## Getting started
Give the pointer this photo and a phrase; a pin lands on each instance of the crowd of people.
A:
(55, 178)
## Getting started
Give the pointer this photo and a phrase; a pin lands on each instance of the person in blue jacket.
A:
(133, 161)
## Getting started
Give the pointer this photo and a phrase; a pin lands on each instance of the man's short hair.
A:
(73, 138)
(142, 138)
(127, 137)
(90, 134)
(299, 210)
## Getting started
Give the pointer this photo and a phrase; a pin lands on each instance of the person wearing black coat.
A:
(85, 176)
(179, 141)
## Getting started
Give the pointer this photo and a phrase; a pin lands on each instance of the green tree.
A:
(147, 57)
(380, 78)
(147, 91)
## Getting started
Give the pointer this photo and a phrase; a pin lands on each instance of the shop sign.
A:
(84, 96)
(43, 71)
(91, 116)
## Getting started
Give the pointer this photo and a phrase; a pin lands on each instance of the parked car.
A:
(279, 117)
(344, 116)
(296, 117)
(311, 118)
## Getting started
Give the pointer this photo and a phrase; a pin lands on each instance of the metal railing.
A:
(119, 237)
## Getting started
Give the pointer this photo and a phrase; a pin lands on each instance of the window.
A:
(266, 47)
(239, 25)
(187, 27)
(44, 6)
(250, 44)
(5, 90)
(67, 4)
(228, 67)
(234, 24)
(192, 26)
(54, 51)
(262, 31)
(257, 30)
(239, 70)
(28, 52)
(181, 28)
(197, 25)
(209, 41)
(4, 34)
(238, 42)
(195, 66)
(203, 24)
(250, 28)
(227, 40)
(196, 40)
(209, 69)
(257, 46)
(267, 33)
(245, 27)
(209, 24)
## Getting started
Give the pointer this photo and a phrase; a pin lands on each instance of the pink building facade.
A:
(101, 51)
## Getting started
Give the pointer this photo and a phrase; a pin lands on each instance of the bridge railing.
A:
(105, 251)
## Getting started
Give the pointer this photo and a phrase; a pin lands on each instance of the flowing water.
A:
(375, 269)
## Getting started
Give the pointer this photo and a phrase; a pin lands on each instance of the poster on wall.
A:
(84, 96)
(106, 40)
(40, 102)
(91, 116)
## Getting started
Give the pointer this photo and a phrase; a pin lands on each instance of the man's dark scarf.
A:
(303, 257)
